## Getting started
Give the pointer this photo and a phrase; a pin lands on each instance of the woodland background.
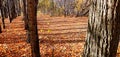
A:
(62, 26)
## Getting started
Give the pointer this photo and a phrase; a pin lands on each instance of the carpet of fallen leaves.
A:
(59, 37)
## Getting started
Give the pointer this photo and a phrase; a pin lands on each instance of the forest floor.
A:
(59, 37)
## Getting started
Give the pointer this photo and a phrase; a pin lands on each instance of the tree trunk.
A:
(2, 13)
(0, 28)
(84, 11)
(0, 22)
(9, 10)
(19, 8)
(103, 29)
(25, 14)
(5, 9)
(14, 13)
(32, 23)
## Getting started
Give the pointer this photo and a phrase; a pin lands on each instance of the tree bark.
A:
(3, 18)
(0, 28)
(0, 22)
(2, 13)
(25, 14)
(9, 10)
(32, 23)
(14, 14)
(84, 11)
(103, 29)
(19, 7)
(25, 18)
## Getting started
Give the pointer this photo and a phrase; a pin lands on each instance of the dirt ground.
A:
(59, 37)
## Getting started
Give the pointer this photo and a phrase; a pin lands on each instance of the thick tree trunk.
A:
(103, 29)
(32, 23)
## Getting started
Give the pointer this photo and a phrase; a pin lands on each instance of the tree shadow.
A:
(61, 41)
(42, 41)
(12, 40)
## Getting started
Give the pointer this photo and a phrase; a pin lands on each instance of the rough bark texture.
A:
(103, 29)
(84, 11)
(32, 23)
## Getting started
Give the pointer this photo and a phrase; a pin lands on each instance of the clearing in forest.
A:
(59, 37)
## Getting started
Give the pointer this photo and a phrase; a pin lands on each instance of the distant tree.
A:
(25, 15)
(9, 8)
(59, 7)
(44, 6)
(103, 29)
(2, 12)
(2, 16)
(52, 8)
(69, 6)
(13, 9)
(64, 7)
(32, 24)
(18, 8)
